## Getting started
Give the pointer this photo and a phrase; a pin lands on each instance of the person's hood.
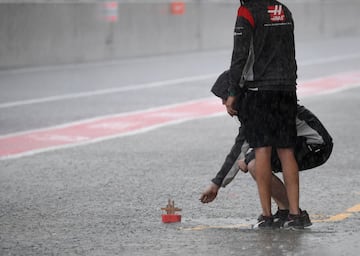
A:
(221, 85)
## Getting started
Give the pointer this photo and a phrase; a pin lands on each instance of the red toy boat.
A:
(170, 216)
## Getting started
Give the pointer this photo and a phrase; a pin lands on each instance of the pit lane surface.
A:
(105, 198)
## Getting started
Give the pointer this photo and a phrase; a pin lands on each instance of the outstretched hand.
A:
(209, 194)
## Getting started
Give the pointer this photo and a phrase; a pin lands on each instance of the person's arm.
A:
(243, 34)
(230, 162)
(226, 173)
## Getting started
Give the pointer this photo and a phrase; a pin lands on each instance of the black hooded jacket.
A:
(263, 56)
(313, 148)
(313, 145)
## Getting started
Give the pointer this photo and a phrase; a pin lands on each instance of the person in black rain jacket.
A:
(263, 61)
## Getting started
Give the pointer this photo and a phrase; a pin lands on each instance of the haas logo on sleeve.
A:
(276, 13)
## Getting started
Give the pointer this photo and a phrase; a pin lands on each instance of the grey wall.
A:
(38, 33)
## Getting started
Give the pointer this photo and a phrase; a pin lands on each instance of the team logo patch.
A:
(276, 13)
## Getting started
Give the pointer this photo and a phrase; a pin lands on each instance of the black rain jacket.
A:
(263, 56)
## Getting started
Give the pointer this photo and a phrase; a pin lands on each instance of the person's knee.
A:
(286, 154)
(263, 154)
(285, 151)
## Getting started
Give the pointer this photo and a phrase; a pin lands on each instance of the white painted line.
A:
(109, 90)
(58, 140)
(156, 84)
(329, 60)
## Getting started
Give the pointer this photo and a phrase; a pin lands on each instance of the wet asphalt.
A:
(105, 198)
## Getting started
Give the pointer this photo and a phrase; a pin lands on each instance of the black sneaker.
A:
(280, 217)
(305, 218)
(264, 222)
(294, 221)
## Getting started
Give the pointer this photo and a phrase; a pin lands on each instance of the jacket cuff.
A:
(217, 181)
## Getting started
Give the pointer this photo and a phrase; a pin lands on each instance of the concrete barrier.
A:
(38, 33)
